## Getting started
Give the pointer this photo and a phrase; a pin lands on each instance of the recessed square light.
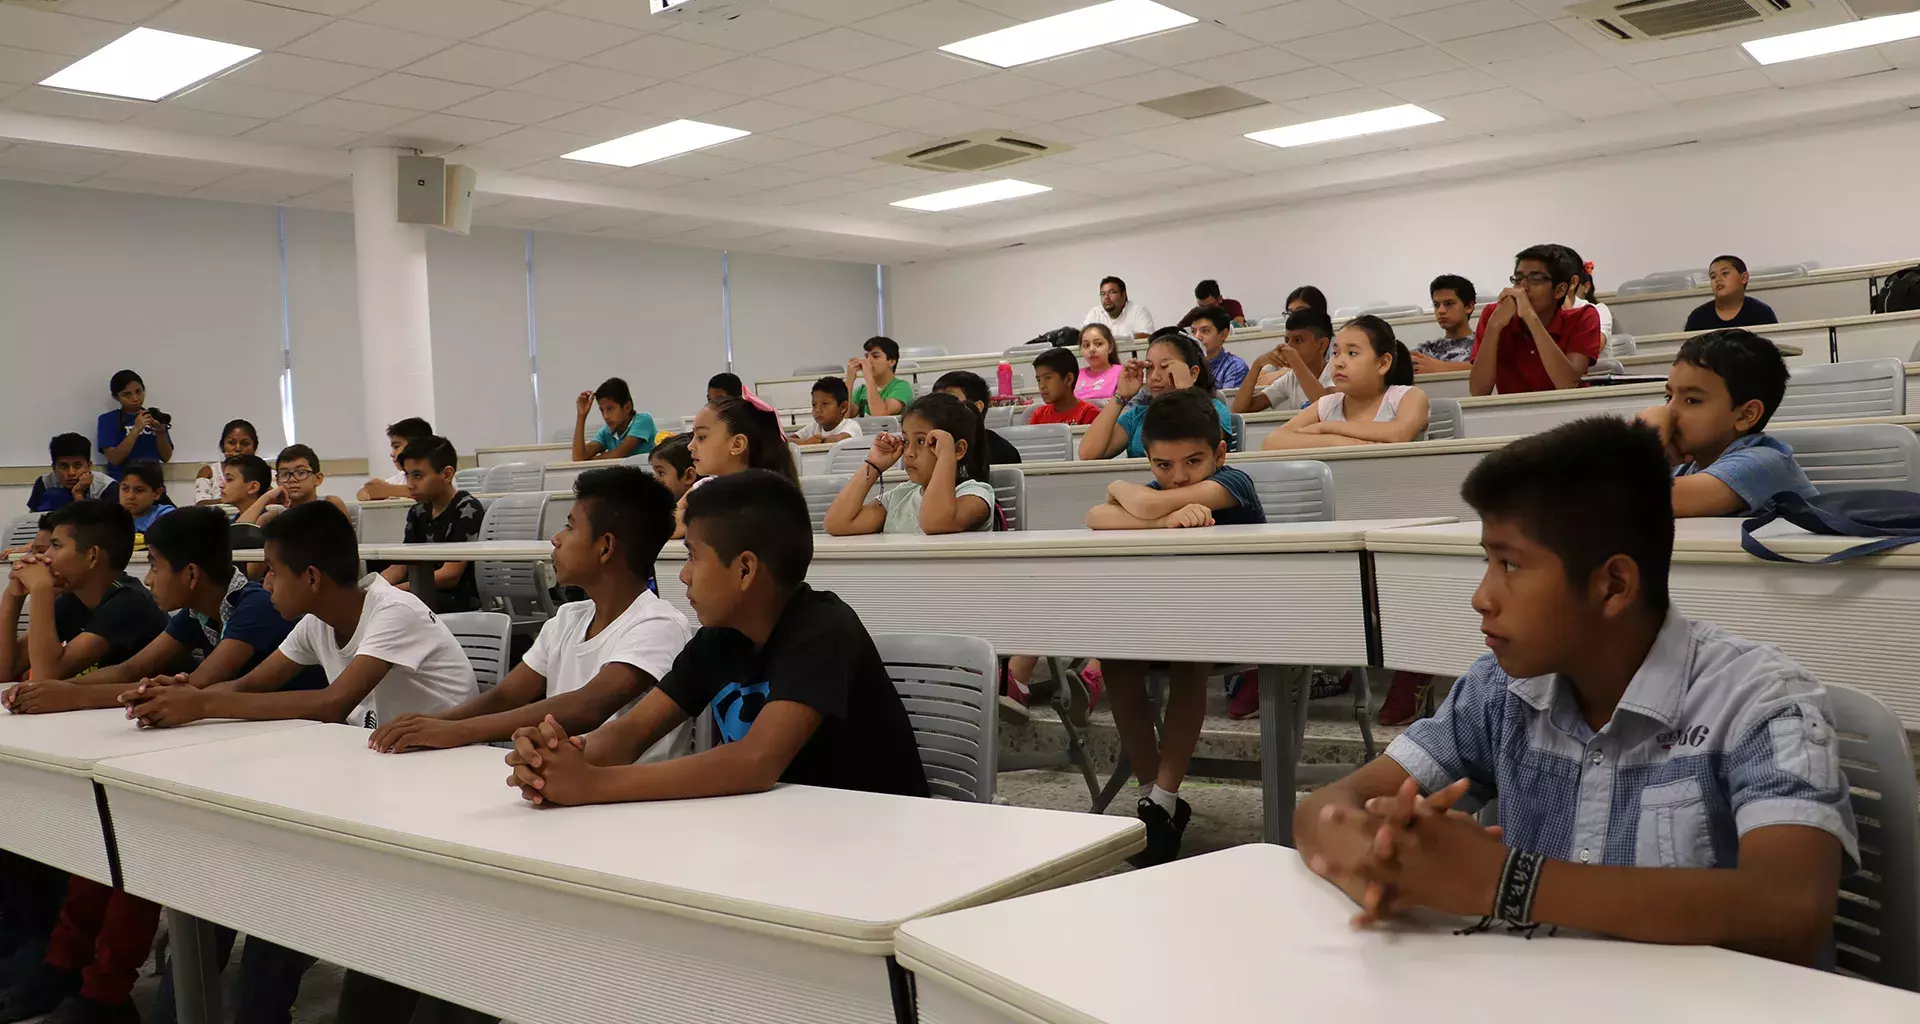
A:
(1070, 32)
(1347, 126)
(973, 195)
(1849, 35)
(656, 143)
(148, 64)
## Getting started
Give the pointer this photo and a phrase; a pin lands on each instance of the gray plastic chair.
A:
(513, 478)
(20, 531)
(470, 479)
(1862, 456)
(486, 637)
(519, 588)
(923, 352)
(949, 686)
(1000, 416)
(878, 424)
(1849, 390)
(793, 450)
(846, 456)
(1664, 281)
(1443, 419)
(1293, 492)
(1237, 433)
(1876, 927)
(560, 435)
(1010, 493)
(820, 492)
(1622, 344)
(1047, 442)
(1784, 272)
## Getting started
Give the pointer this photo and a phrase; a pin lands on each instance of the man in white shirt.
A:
(370, 640)
(1126, 319)
(594, 657)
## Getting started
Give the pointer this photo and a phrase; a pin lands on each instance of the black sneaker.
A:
(1163, 832)
(37, 993)
(81, 1010)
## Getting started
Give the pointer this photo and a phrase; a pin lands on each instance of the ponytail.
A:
(766, 442)
(942, 411)
(1401, 372)
(1380, 338)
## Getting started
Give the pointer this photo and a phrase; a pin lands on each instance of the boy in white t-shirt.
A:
(367, 637)
(594, 657)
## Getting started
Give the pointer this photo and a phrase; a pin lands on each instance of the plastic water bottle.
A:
(1006, 380)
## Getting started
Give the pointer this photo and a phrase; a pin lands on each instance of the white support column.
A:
(396, 330)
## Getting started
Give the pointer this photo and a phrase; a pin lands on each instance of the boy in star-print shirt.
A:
(443, 514)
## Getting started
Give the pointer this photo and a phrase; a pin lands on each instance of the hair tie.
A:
(756, 401)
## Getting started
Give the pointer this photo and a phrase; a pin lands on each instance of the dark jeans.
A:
(368, 1000)
(269, 981)
(30, 898)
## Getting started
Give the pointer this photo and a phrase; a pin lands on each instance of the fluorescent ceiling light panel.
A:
(148, 64)
(656, 143)
(973, 195)
(1073, 31)
(1367, 122)
(1850, 35)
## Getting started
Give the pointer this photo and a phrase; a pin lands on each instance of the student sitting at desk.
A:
(399, 436)
(798, 691)
(1659, 780)
(1304, 365)
(967, 386)
(1056, 373)
(947, 488)
(724, 385)
(72, 478)
(442, 514)
(1527, 340)
(1730, 306)
(1174, 363)
(672, 464)
(1373, 401)
(236, 438)
(1722, 389)
(832, 414)
(883, 394)
(1097, 381)
(593, 657)
(243, 479)
(298, 478)
(143, 493)
(1212, 329)
(1453, 299)
(732, 436)
(623, 431)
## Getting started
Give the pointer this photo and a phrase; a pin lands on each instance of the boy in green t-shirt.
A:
(882, 355)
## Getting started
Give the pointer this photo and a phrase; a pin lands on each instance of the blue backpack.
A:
(1892, 518)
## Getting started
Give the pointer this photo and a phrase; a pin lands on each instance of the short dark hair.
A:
(1586, 490)
(435, 451)
(194, 536)
(410, 429)
(1060, 361)
(121, 379)
(942, 411)
(246, 425)
(253, 469)
(1214, 315)
(1556, 258)
(1750, 364)
(1186, 415)
(968, 382)
(629, 503)
(1207, 289)
(727, 382)
(147, 472)
(1313, 320)
(833, 387)
(316, 535)
(1114, 281)
(759, 511)
(294, 453)
(675, 452)
(615, 390)
(1739, 265)
(69, 446)
(887, 346)
(1461, 288)
(1190, 352)
(1313, 297)
(97, 524)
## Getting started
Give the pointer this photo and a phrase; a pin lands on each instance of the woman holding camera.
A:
(133, 432)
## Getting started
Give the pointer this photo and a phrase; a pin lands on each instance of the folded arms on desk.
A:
(1132, 506)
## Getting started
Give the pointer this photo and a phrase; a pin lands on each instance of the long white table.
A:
(1865, 336)
(1850, 623)
(1250, 936)
(1826, 292)
(426, 870)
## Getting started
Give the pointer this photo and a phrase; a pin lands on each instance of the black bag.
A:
(1899, 292)
(1059, 337)
(1892, 517)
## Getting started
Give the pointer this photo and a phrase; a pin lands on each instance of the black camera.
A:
(160, 417)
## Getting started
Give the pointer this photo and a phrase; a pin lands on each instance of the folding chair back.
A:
(513, 477)
(1876, 928)
(1046, 442)
(517, 586)
(486, 637)
(846, 456)
(1010, 493)
(820, 492)
(948, 685)
(1293, 492)
(20, 531)
(1443, 419)
(1850, 390)
(470, 479)
(1876, 456)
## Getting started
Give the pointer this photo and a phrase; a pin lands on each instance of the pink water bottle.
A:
(1006, 379)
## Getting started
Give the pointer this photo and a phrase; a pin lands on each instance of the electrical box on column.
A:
(435, 193)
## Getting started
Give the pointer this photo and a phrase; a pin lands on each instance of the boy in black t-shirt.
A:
(798, 690)
(444, 515)
(86, 612)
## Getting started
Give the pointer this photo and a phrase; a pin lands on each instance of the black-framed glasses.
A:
(1534, 278)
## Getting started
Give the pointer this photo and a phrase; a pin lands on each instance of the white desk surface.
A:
(1259, 938)
(77, 740)
(779, 858)
(1695, 541)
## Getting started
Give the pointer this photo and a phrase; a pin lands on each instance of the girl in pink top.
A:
(1098, 380)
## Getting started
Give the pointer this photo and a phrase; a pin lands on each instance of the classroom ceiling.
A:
(825, 86)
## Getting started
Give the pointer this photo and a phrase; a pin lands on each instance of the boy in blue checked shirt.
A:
(1723, 388)
(1618, 736)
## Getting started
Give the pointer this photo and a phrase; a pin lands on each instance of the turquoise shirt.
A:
(641, 426)
(1135, 415)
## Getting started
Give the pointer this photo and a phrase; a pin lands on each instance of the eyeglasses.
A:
(1536, 278)
(292, 476)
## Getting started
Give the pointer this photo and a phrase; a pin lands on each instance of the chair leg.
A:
(1076, 750)
(1122, 770)
(1362, 698)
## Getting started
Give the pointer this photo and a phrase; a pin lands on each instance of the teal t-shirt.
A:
(1135, 415)
(641, 426)
(897, 390)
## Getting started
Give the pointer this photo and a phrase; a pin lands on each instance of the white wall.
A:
(481, 373)
(1837, 197)
(789, 313)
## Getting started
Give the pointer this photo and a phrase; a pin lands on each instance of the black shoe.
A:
(37, 993)
(81, 1010)
(1163, 832)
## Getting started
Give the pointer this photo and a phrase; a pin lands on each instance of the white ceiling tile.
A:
(999, 89)
(193, 122)
(1832, 67)
(1510, 44)
(838, 93)
(759, 115)
(1030, 10)
(223, 97)
(1119, 121)
(1296, 84)
(704, 163)
(299, 74)
(806, 191)
(524, 210)
(1904, 54)
(896, 174)
(752, 31)
(920, 72)
(592, 219)
(1393, 67)
(708, 188)
(1469, 19)
(1247, 65)
(115, 183)
(333, 197)
(1458, 82)
(1193, 43)
(1288, 22)
(347, 114)
(767, 149)
(579, 82)
(838, 49)
(828, 163)
(603, 122)
(514, 107)
(670, 100)
(1336, 104)
(617, 12)
(935, 23)
(25, 67)
(834, 132)
(1715, 85)
(167, 171)
(488, 157)
(541, 141)
(910, 112)
(1063, 104)
(1194, 140)
(34, 156)
(454, 19)
(875, 145)
(1495, 110)
(480, 65)
(30, 29)
(1692, 65)
(413, 92)
(36, 100)
(1096, 152)
(1623, 95)
(732, 232)
(286, 133)
(124, 11)
(1060, 133)
(842, 12)
(557, 36)
(646, 176)
(1545, 71)
(223, 194)
(766, 177)
(1085, 68)
(283, 183)
(661, 56)
(352, 42)
(752, 76)
(1351, 43)
(332, 7)
(450, 128)
(40, 177)
(238, 21)
(1151, 86)
(1390, 10)
(1141, 163)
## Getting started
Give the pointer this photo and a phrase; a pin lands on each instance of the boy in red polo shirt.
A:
(1526, 340)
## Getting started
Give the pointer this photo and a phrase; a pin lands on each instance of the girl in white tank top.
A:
(1373, 400)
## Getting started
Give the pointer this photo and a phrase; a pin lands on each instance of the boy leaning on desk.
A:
(1618, 736)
